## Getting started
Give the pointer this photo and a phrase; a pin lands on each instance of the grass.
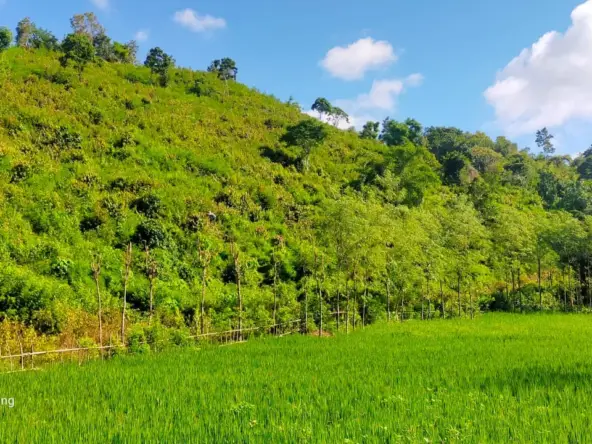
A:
(499, 378)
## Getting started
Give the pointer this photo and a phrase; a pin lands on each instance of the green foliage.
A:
(370, 130)
(224, 68)
(5, 38)
(543, 141)
(88, 166)
(160, 63)
(306, 134)
(79, 50)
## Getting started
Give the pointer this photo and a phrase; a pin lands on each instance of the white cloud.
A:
(141, 36)
(101, 4)
(352, 62)
(550, 83)
(380, 100)
(196, 22)
(382, 96)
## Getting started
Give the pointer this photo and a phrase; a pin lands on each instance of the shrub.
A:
(151, 234)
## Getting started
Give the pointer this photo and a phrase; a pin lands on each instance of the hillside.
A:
(205, 174)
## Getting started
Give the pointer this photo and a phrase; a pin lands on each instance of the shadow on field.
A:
(539, 377)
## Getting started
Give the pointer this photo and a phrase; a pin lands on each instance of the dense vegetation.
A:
(501, 378)
(200, 204)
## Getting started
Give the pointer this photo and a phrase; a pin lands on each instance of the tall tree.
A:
(159, 63)
(225, 68)
(87, 24)
(338, 115)
(322, 106)
(544, 141)
(24, 32)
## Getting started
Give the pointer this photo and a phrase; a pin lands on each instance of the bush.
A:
(149, 205)
(151, 234)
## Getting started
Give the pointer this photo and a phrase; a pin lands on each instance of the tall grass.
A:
(499, 378)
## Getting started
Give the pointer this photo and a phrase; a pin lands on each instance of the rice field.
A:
(499, 378)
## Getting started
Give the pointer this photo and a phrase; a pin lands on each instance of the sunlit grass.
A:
(499, 378)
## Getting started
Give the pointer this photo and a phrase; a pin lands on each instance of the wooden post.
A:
(22, 355)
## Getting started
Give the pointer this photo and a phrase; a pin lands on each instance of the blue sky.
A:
(428, 59)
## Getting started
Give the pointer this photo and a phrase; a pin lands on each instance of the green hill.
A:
(206, 173)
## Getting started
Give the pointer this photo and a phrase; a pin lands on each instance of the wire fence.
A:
(34, 360)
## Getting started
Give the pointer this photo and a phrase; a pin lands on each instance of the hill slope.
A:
(200, 173)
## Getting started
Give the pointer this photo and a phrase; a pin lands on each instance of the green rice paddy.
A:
(499, 378)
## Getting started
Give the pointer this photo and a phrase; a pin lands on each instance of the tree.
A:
(443, 140)
(104, 47)
(337, 115)
(544, 141)
(130, 55)
(79, 50)
(128, 259)
(24, 32)
(87, 24)
(44, 39)
(159, 63)
(394, 133)
(415, 133)
(307, 134)
(225, 68)
(151, 272)
(322, 106)
(5, 38)
(96, 273)
(370, 130)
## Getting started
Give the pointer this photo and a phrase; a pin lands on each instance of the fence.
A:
(26, 360)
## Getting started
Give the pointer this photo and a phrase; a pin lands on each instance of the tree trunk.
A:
(364, 302)
(128, 267)
(347, 306)
(338, 301)
(202, 304)
(100, 313)
(319, 293)
(96, 271)
(429, 298)
(305, 330)
(513, 289)
(239, 294)
(402, 305)
(458, 290)
(442, 300)
(274, 295)
(519, 288)
(539, 279)
(388, 300)
(151, 299)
